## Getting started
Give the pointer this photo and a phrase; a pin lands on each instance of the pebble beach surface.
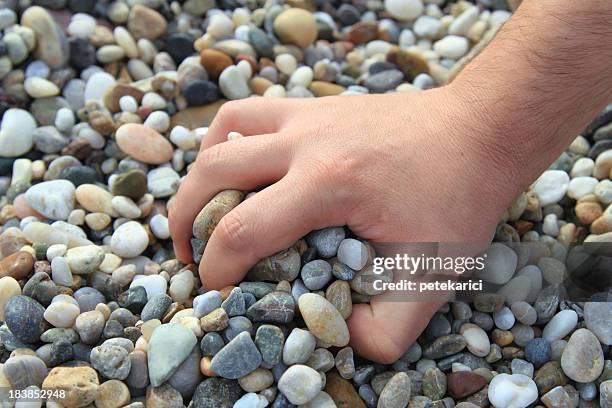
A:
(104, 105)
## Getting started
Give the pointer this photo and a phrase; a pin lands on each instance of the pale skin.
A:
(435, 166)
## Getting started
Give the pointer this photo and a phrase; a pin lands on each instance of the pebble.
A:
(396, 392)
(476, 339)
(316, 274)
(500, 264)
(9, 288)
(582, 359)
(551, 186)
(206, 303)
(111, 394)
(144, 22)
(300, 384)
(275, 307)
(296, 26)
(24, 371)
(84, 260)
(161, 364)
(232, 83)
(216, 392)
(560, 325)
(504, 319)
(269, 340)
(61, 314)
(596, 318)
(452, 46)
(129, 240)
(238, 358)
(143, 143)
(298, 347)
(208, 218)
(323, 319)
(51, 43)
(81, 383)
(89, 325)
(16, 132)
(512, 391)
(404, 10)
(111, 361)
(326, 241)
(24, 317)
(538, 351)
(17, 265)
(353, 253)
(162, 182)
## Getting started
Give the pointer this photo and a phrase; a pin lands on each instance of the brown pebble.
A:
(502, 337)
(322, 88)
(342, 392)
(463, 383)
(144, 22)
(114, 94)
(205, 367)
(363, 32)
(216, 320)
(588, 212)
(144, 143)
(215, 62)
(172, 310)
(18, 265)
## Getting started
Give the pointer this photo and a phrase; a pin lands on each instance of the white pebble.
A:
(159, 226)
(183, 138)
(129, 240)
(56, 250)
(512, 391)
(452, 46)
(128, 103)
(550, 225)
(353, 253)
(551, 186)
(61, 314)
(560, 325)
(60, 271)
(583, 167)
(404, 9)
(158, 120)
(580, 186)
(126, 207)
(64, 119)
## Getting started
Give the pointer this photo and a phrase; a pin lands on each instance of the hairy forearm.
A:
(542, 79)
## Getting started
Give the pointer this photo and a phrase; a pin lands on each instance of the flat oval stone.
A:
(444, 346)
(582, 359)
(144, 143)
(464, 383)
(560, 325)
(323, 319)
(238, 358)
(16, 132)
(396, 393)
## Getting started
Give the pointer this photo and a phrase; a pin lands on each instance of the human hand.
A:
(393, 168)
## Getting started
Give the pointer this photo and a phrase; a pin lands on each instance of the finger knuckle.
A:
(234, 233)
